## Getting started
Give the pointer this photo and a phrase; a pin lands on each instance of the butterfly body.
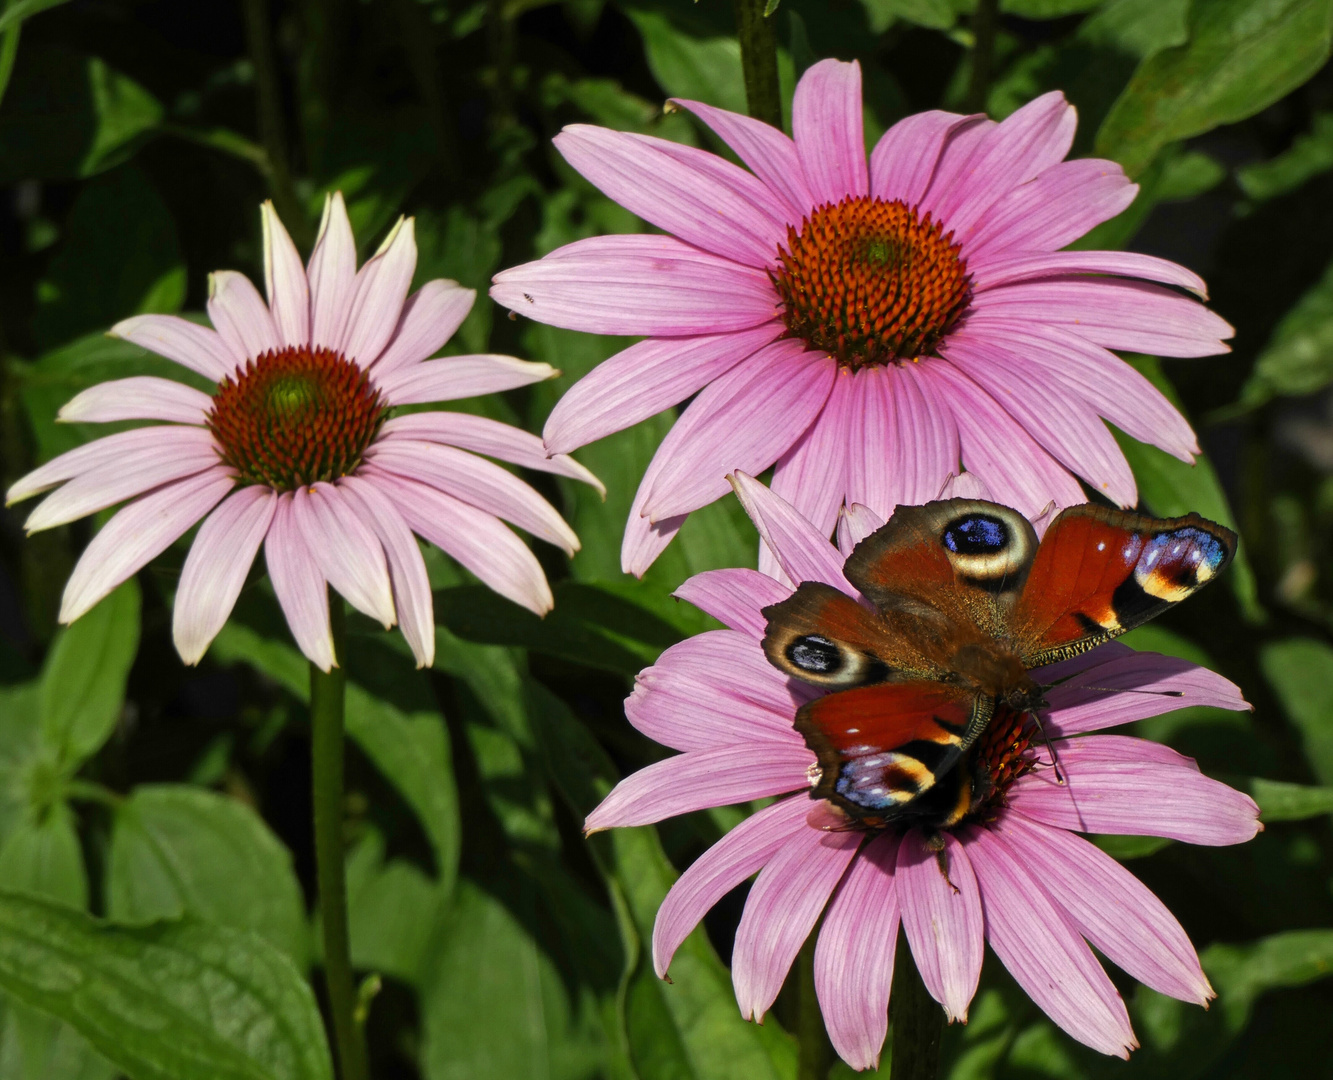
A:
(961, 602)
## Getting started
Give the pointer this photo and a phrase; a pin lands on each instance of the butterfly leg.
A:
(935, 843)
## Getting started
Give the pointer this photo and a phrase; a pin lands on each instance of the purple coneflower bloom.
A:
(296, 450)
(1018, 876)
(864, 326)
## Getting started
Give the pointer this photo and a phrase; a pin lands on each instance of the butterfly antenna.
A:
(1050, 748)
(1109, 689)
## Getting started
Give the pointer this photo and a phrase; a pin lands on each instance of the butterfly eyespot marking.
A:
(976, 534)
(1174, 564)
(987, 548)
(815, 654)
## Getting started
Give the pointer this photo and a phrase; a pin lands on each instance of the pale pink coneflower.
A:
(1018, 876)
(296, 450)
(864, 326)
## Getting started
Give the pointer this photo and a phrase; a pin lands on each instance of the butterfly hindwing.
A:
(1100, 572)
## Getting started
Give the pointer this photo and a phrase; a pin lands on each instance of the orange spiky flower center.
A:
(1001, 755)
(295, 416)
(871, 282)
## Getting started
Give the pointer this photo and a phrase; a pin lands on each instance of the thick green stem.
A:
(327, 700)
(759, 61)
(985, 23)
(918, 1022)
(816, 1052)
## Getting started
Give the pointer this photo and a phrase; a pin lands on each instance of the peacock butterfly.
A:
(966, 602)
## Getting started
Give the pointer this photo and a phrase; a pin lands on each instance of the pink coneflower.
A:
(865, 326)
(297, 450)
(1018, 876)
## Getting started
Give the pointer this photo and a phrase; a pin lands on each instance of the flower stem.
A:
(816, 1052)
(985, 23)
(759, 61)
(918, 1022)
(327, 700)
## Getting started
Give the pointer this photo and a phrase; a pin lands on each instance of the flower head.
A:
(864, 326)
(1014, 872)
(296, 450)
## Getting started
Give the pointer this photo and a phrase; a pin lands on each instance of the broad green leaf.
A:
(20, 10)
(1047, 9)
(83, 681)
(1241, 56)
(179, 850)
(1241, 973)
(1131, 847)
(1298, 358)
(1300, 671)
(43, 858)
(1280, 801)
(1137, 27)
(34, 1046)
(20, 754)
(1309, 155)
(170, 1001)
(933, 14)
(393, 911)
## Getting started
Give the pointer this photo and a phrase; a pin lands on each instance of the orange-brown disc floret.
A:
(295, 416)
(870, 282)
(1001, 755)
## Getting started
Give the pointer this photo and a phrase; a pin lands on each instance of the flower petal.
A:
(645, 539)
(1007, 268)
(1043, 952)
(783, 906)
(826, 125)
(285, 280)
(429, 318)
(720, 869)
(300, 587)
(142, 397)
(803, 553)
(240, 315)
(349, 555)
(407, 569)
(332, 275)
(689, 722)
(380, 293)
(216, 568)
(855, 952)
(928, 446)
(857, 522)
(190, 345)
(638, 285)
(454, 377)
(735, 597)
(811, 475)
(138, 533)
(643, 380)
(693, 667)
(700, 779)
(147, 442)
(700, 197)
(942, 918)
(1110, 907)
(903, 161)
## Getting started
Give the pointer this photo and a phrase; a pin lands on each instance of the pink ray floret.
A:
(1021, 880)
(867, 326)
(295, 451)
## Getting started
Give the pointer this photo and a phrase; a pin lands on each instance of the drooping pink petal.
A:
(638, 285)
(332, 275)
(781, 910)
(995, 446)
(299, 585)
(1043, 953)
(645, 539)
(482, 435)
(476, 539)
(812, 474)
(181, 452)
(691, 723)
(1135, 316)
(407, 569)
(1135, 798)
(216, 568)
(430, 317)
(903, 161)
(190, 345)
(803, 553)
(1006, 268)
(240, 315)
(734, 596)
(826, 126)
(693, 666)
(942, 918)
(380, 293)
(1110, 907)
(141, 397)
(454, 377)
(643, 380)
(349, 554)
(692, 194)
(854, 954)
(770, 155)
(700, 779)
(745, 421)
(1053, 210)
(147, 442)
(1066, 427)
(857, 522)
(138, 533)
(285, 280)
(720, 869)
(475, 481)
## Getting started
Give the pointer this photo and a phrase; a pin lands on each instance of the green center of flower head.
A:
(870, 282)
(295, 416)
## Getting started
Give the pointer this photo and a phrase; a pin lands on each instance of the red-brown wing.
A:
(882, 747)
(1100, 572)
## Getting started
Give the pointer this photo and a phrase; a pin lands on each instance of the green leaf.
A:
(1131, 847)
(1298, 358)
(1279, 801)
(1242, 55)
(170, 1001)
(44, 859)
(20, 10)
(179, 850)
(1243, 972)
(1138, 28)
(1047, 9)
(393, 911)
(83, 681)
(1300, 671)
(34, 1046)
(1309, 155)
(933, 14)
